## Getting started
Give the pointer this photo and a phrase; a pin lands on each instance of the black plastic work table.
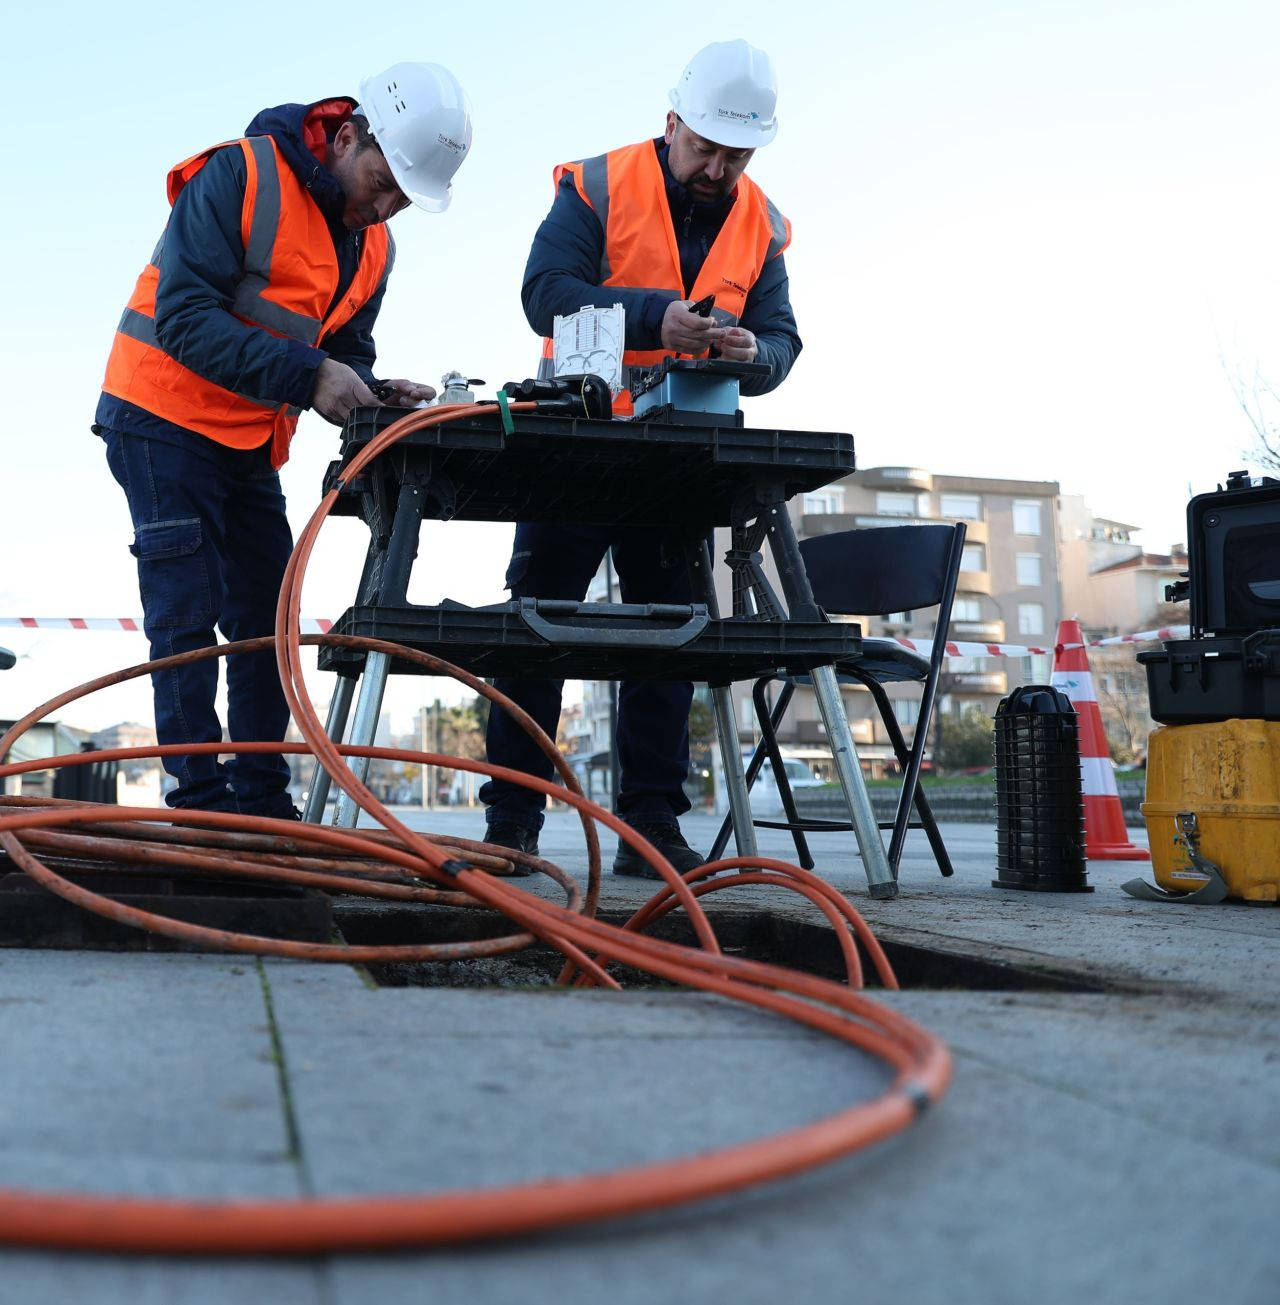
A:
(686, 478)
(585, 471)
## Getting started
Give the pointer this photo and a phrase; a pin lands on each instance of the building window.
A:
(973, 558)
(898, 618)
(824, 502)
(966, 609)
(896, 505)
(1030, 618)
(1028, 568)
(960, 507)
(906, 710)
(1026, 517)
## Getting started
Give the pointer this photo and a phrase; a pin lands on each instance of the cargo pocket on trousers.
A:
(173, 573)
(517, 569)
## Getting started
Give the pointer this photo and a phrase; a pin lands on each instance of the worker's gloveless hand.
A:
(737, 344)
(406, 394)
(686, 332)
(338, 389)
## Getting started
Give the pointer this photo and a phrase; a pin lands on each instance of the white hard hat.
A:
(421, 119)
(729, 94)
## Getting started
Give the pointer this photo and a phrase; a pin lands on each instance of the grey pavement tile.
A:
(427, 1103)
(1010, 1192)
(1191, 1069)
(38, 1278)
(137, 1055)
(1094, 1148)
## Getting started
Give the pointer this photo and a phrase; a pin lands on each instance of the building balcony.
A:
(979, 631)
(897, 478)
(975, 582)
(979, 682)
(805, 733)
(828, 523)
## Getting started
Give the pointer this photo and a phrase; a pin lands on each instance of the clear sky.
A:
(1025, 232)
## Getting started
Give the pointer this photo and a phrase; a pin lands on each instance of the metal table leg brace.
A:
(735, 779)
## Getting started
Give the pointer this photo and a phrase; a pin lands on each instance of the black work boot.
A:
(668, 840)
(518, 838)
(277, 807)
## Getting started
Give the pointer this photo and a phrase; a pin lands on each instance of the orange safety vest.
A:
(627, 191)
(290, 277)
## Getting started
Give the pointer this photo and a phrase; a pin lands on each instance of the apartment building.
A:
(1109, 583)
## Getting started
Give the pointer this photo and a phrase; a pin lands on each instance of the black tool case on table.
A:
(1233, 555)
(1190, 681)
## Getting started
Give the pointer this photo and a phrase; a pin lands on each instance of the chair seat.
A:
(884, 660)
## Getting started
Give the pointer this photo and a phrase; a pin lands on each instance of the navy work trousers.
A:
(555, 561)
(211, 541)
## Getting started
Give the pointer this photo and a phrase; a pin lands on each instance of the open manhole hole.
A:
(32, 917)
(758, 935)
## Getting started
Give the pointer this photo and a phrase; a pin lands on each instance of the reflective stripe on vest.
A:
(290, 276)
(626, 189)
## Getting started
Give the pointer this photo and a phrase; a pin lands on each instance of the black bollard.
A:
(1039, 807)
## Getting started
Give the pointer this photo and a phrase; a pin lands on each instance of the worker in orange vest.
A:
(656, 227)
(259, 301)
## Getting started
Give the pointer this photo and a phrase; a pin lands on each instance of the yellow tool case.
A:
(1213, 807)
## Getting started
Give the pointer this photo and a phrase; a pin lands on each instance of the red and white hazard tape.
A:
(1147, 636)
(956, 648)
(132, 624)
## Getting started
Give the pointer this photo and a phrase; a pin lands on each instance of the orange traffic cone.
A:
(1105, 836)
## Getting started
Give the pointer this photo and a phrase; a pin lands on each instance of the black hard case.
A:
(1192, 681)
(1233, 545)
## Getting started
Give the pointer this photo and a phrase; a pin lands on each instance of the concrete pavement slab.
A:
(481, 1088)
(1016, 1189)
(147, 1074)
(35, 1278)
(1097, 1146)
(114, 1057)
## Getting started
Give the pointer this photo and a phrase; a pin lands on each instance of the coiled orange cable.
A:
(403, 863)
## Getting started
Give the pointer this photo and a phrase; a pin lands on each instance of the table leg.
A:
(334, 727)
(385, 580)
(866, 828)
(373, 684)
(735, 776)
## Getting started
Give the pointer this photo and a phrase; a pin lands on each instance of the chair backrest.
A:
(884, 569)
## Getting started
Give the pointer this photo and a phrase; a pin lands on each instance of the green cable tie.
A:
(507, 424)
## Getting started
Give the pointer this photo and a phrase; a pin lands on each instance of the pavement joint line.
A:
(293, 1131)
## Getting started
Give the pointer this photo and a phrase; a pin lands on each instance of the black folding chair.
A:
(871, 572)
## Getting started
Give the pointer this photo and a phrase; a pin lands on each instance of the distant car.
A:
(799, 775)
(765, 798)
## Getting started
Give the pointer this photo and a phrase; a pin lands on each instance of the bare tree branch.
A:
(1260, 402)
